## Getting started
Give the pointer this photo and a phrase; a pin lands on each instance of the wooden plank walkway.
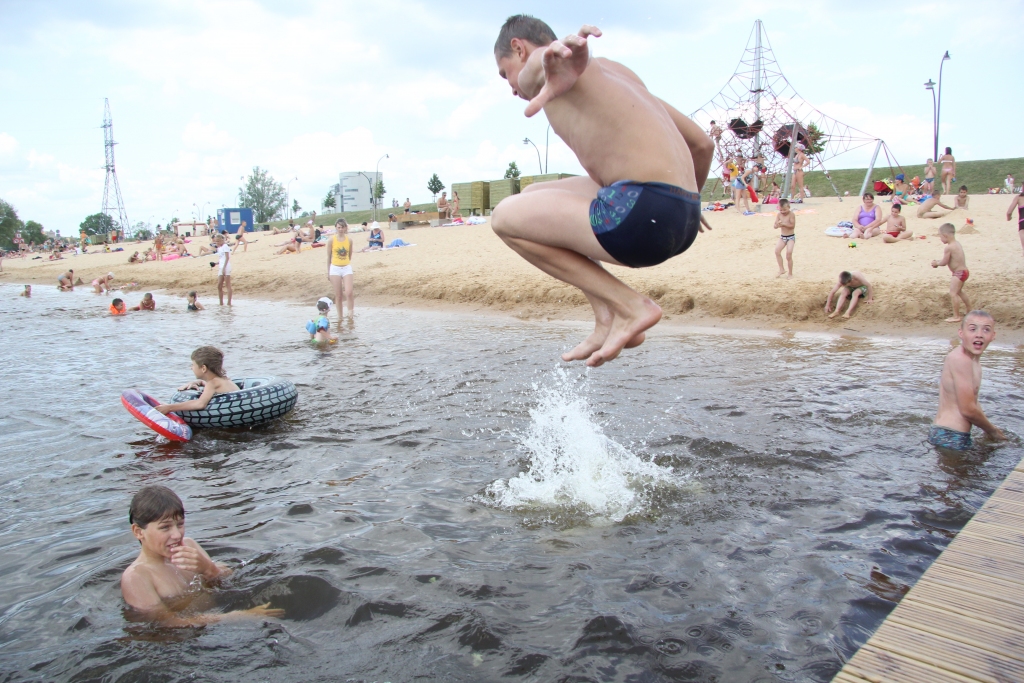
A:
(964, 619)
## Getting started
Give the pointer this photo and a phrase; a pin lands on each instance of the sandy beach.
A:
(728, 277)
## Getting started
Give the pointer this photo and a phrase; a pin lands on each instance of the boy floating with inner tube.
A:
(639, 206)
(208, 367)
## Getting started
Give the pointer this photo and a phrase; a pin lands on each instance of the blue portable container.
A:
(231, 219)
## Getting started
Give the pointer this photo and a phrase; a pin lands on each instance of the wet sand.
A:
(727, 278)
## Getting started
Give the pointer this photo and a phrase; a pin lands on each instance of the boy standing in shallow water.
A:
(953, 256)
(959, 385)
(639, 205)
(168, 575)
(786, 222)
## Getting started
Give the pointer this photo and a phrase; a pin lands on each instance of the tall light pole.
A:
(289, 193)
(930, 85)
(376, 179)
(370, 183)
(938, 106)
(539, 165)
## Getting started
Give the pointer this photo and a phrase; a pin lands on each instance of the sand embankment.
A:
(728, 274)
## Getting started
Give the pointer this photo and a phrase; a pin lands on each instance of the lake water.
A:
(449, 502)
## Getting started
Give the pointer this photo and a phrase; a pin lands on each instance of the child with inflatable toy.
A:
(208, 367)
(161, 583)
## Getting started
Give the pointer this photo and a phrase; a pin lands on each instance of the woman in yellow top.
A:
(339, 268)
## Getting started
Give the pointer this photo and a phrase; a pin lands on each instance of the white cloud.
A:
(205, 136)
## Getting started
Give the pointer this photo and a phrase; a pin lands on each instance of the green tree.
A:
(9, 224)
(33, 232)
(98, 224)
(512, 171)
(815, 138)
(329, 201)
(143, 230)
(435, 185)
(295, 206)
(264, 195)
(378, 191)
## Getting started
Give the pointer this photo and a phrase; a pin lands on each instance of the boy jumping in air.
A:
(639, 204)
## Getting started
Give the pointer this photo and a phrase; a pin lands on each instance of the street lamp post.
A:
(289, 193)
(370, 183)
(376, 179)
(938, 106)
(539, 165)
(930, 85)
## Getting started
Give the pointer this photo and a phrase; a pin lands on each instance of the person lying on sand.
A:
(638, 205)
(159, 585)
(959, 384)
(925, 210)
(895, 229)
(851, 284)
(961, 200)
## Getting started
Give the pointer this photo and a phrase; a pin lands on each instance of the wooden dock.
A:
(964, 619)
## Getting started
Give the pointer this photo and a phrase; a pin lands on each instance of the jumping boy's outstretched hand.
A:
(564, 62)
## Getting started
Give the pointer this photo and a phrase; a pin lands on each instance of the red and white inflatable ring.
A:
(143, 408)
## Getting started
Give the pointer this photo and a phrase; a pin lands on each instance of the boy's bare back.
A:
(619, 130)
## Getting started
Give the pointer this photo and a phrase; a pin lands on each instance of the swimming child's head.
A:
(157, 517)
(977, 331)
(845, 277)
(323, 306)
(519, 36)
(147, 297)
(117, 303)
(192, 295)
(208, 359)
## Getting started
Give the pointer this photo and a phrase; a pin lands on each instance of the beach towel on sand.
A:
(394, 244)
(838, 231)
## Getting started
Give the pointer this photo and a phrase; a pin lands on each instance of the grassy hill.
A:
(978, 176)
(353, 217)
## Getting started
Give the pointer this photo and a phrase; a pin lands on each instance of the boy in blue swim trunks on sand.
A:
(959, 385)
(639, 204)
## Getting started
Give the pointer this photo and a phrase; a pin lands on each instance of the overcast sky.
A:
(203, 90)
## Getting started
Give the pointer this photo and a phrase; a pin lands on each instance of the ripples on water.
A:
(446, 503)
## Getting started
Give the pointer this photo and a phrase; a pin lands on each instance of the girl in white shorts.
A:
(339, 268)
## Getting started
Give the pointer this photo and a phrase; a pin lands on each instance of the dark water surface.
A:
(709, 508)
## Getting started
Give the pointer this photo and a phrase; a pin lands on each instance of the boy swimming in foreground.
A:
(959, 385)
(168, 575)
(639, 206)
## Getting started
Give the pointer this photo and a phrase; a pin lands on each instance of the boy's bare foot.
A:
(833, 313)
(790, 276)
(953, 320)
(627, 331)
(781, 273)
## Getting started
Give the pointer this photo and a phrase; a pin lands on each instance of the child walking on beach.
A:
(208, 367)
(786, 222)
(159, 584)
(223, 268)
(637, 206)
(953, 256)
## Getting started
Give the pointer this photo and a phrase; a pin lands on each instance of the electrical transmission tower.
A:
(111, 181)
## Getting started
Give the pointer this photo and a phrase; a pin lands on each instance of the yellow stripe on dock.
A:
(963, 621)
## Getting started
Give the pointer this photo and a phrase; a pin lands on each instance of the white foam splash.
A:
(573, 463)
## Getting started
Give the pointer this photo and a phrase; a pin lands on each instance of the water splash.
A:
(573, 464)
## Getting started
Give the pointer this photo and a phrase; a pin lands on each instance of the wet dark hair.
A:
(523, 27)
(845, 277)
(899, 209)
(117, 302)
(153, 503)
(212, 358)
(192, 294)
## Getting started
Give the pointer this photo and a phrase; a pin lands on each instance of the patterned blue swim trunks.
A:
(944, 437)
